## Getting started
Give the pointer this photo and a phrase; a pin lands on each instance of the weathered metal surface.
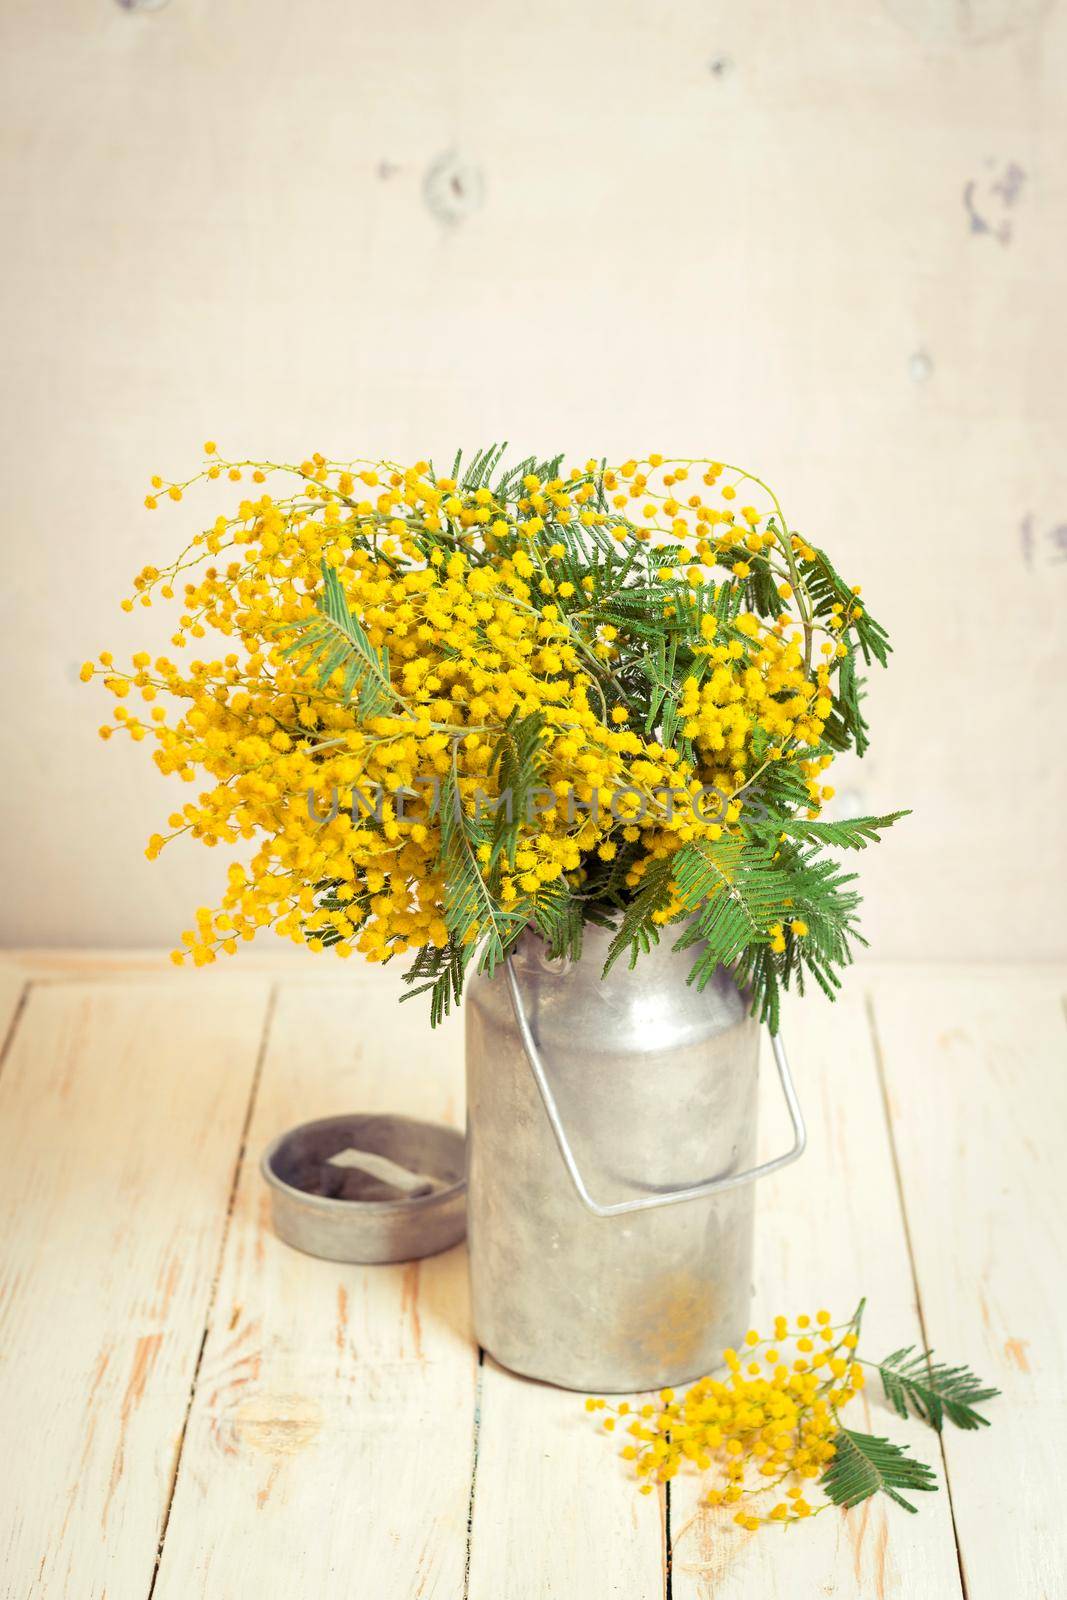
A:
(309, 1207)
(656, 1083)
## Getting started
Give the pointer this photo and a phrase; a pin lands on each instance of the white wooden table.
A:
(188, 1408)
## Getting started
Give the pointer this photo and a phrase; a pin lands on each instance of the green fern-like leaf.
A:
(558, 919)
(863, 1465)
(846, 726)
(781, 789)
(933, 1390)
(758, 974)
(335, 638)
(761, 587)
(750, 886)
(659, 668)
(827, 587)
(639, 930)
(851, 833)
(482, 467)
(439, 972)
(512, 476)
(737, 892)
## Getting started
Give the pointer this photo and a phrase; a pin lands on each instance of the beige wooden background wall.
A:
(825, 239)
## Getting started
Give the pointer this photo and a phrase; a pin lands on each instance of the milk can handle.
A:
(693, 1191)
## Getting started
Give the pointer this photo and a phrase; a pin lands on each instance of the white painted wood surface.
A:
(983, 1169)
(554, 1513)
(121, 1117)
(847, 272)
(331, 1436)
(178, 1382)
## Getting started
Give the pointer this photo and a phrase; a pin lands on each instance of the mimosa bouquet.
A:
(441, 708)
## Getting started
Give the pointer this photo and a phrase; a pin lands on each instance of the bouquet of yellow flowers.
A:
(440, 709)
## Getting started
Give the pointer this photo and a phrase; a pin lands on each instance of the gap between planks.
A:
(475, 1430)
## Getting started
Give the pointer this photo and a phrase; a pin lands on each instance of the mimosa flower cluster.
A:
(767, 1436)
(623, 640)
(763, 1433)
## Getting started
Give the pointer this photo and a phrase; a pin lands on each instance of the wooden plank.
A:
(120, 1121)
(978, 1098)
(330, 1442)
(828, 1231)
(553, 1515)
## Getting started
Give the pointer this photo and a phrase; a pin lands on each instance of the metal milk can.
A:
(610, 1139)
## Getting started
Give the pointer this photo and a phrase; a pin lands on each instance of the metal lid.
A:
(368, 1188)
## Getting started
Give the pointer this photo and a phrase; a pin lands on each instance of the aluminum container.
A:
(346, 1214)
(610, 1140)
